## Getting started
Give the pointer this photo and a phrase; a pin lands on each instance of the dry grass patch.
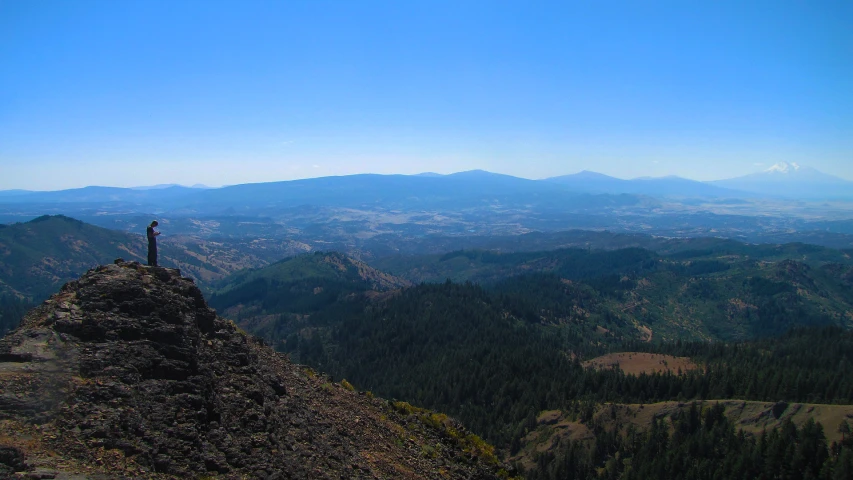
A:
(635, 363)
(554, 428)
(750, 416)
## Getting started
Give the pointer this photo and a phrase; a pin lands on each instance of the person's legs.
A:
(152, 255)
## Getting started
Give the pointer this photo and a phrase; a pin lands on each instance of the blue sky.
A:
(131, 93)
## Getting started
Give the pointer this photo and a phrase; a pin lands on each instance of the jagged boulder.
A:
(127, 373)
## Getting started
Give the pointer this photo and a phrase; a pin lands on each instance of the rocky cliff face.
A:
(127, 373)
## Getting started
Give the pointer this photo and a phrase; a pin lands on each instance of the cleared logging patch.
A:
(635, 363)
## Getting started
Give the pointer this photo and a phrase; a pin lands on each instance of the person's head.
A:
(154, 223)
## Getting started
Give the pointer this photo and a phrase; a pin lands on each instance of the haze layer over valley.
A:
(370, 215)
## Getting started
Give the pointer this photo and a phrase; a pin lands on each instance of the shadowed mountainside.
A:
(274, 301)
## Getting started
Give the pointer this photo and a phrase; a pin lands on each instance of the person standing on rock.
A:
(152, 244)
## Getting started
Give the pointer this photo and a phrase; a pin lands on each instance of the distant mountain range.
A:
(781, 180)
(97, 194)
(592, 182)
(395, 191)
(168, 185)
(350, 212)
(460, 191)
(790, 180)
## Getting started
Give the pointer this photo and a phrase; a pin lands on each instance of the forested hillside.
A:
(496, 353)
(12, 310)
(306, 291)
(447, 346)
(455, 347)
(734, 292)
(696, 442)
(38, 256)
(601, 250)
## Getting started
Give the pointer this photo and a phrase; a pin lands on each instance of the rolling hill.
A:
(280, 299)
(729, 291)
(38, 256)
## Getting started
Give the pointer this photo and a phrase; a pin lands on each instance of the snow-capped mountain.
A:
(784, 168)
(791, 180)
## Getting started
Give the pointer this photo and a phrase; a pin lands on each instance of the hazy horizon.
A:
(143, 93)
(201, 185)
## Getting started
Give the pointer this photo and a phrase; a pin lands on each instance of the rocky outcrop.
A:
(127, 373)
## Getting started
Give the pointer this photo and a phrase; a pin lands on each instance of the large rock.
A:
(127, 373)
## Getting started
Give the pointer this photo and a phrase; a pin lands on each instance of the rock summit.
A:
(127, 373)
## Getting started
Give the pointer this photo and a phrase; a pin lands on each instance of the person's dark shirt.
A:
(152, 239)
